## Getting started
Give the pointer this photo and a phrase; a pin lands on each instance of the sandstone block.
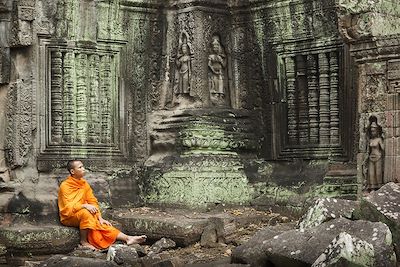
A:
(325, 209)
(346, 250)
(383, 205)
(25, 241)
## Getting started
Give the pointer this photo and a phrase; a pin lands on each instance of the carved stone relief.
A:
(374, 162)
(183, 68)
(19, 141)
(217, 63)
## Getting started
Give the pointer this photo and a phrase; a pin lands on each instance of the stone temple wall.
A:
(285, 92)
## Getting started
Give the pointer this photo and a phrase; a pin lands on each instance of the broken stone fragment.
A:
(297, 246)
(162, 244)
(122, 254)
(383, 205)
(325, 209)
(346, 250)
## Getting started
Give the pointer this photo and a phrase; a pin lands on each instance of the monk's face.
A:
(78, 171)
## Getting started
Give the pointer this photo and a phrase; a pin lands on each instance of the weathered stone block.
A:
(24, 241)
(346, 250)
(325, 209)
(383, 206)
(184, 231)
(292, 248)
(26, 13)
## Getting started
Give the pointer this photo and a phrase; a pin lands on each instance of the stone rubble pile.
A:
(332, 233)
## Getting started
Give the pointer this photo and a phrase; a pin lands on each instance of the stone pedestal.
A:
(206, 165)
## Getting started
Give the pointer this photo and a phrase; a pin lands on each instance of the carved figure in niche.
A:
(375, 155)
(183, 71)
(216, 65)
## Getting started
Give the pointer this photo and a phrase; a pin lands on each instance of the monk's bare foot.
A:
(87, 245)
(135, 239)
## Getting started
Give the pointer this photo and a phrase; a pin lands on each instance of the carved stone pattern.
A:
(291, 99)
(302, 99)
(394, 76)
(186, 23)
(78, 80)
(313, 97)
(139, 147)
(106, 98)
(312, 116)
(69, 96)
(156, 40)
(56, 97)
(111, 28)
(334, 98)
(94, 126)
(324, 120)
(19, 124)
(81, 98)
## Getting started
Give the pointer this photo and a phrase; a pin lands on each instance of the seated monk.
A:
(78, 207)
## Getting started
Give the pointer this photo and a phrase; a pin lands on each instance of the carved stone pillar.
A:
(324, 118)
(291, 96)
(313, 97)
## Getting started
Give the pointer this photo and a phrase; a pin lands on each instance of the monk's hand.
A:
(91, 208)
(102, 221)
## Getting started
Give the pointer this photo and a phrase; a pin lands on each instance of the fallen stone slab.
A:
(184, 231)
(346, 250)
(325, 209)
(24, 242)
(303, 247)
(70, 261)
(383, 205)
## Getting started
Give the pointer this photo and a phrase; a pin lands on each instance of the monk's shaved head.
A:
(71, 164)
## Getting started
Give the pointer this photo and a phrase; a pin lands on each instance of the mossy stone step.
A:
(27, 242)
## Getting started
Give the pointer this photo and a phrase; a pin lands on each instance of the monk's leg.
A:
(84, 241)
(86, 221)
(129, 239)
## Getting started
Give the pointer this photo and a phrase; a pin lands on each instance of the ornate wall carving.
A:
(315, 109)
(20, 126)
(83, 100)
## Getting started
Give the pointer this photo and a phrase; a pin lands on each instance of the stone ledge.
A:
(25, 241)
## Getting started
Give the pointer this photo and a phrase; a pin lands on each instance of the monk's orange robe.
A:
(72, 194)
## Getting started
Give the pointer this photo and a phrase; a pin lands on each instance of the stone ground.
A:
(239, 225)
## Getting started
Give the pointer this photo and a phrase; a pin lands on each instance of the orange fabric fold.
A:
(72, 195)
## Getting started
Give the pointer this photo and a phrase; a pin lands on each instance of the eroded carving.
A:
(375, 155)
(183, 73)
(217, 67)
